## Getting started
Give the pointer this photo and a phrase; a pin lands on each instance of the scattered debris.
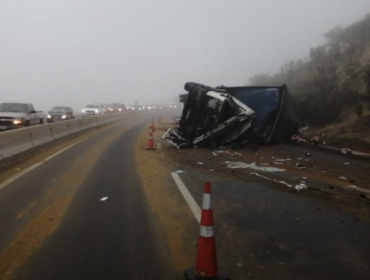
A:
(360, 189)
(301, 186)
(346, 151)
(271, 179)
(300, 166)
(180, 171)
(104, 198)
(253, 165)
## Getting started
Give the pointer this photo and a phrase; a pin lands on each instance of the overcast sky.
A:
(70, 52)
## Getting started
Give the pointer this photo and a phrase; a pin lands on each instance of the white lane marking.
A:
(61, 151)
(187, 196)
(20, 174)
(28, 169)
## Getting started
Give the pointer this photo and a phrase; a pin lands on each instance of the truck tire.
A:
(27, 123)
(41, 121)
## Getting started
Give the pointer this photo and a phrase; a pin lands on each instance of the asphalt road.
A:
(82, 214)
(266, 233)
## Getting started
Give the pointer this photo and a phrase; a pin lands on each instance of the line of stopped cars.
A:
(20, 114)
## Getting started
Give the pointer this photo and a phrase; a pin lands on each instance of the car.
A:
(16, 115)
(115, 108)
(60, 113)
(93, 109)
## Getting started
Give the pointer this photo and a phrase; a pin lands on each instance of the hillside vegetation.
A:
(331, 87)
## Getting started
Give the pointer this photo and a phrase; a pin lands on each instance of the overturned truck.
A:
(227, 115)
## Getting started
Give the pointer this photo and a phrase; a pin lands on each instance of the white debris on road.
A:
(253, 165)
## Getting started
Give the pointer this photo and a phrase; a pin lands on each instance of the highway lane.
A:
(55, 225)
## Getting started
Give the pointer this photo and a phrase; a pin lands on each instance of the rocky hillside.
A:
(331, 87)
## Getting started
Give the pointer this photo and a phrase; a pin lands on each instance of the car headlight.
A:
(49, 117)
(83, 110)
(17, 121)
(64, 116)
(96, 111)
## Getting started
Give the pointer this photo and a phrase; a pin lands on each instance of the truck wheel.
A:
(41, 121)
(27, 123)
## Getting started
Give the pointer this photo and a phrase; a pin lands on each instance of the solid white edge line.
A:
(187, 196)
(20, 174)
(61, 151)
(28, 169)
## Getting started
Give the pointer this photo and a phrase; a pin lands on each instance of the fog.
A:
(70, 52)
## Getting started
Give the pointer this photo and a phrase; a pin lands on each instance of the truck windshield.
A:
(13, 107)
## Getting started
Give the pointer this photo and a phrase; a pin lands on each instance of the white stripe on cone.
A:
(206, 204)
(206, 231)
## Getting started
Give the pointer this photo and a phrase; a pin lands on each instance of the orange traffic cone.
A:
(206, 261)
(150, 141)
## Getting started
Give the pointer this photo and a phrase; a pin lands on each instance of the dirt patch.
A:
(177, 243)
(31, 237)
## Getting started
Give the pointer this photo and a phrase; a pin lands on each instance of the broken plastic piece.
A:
(301, 186)
(300, 166)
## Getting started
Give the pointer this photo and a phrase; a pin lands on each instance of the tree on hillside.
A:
(334, 78)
